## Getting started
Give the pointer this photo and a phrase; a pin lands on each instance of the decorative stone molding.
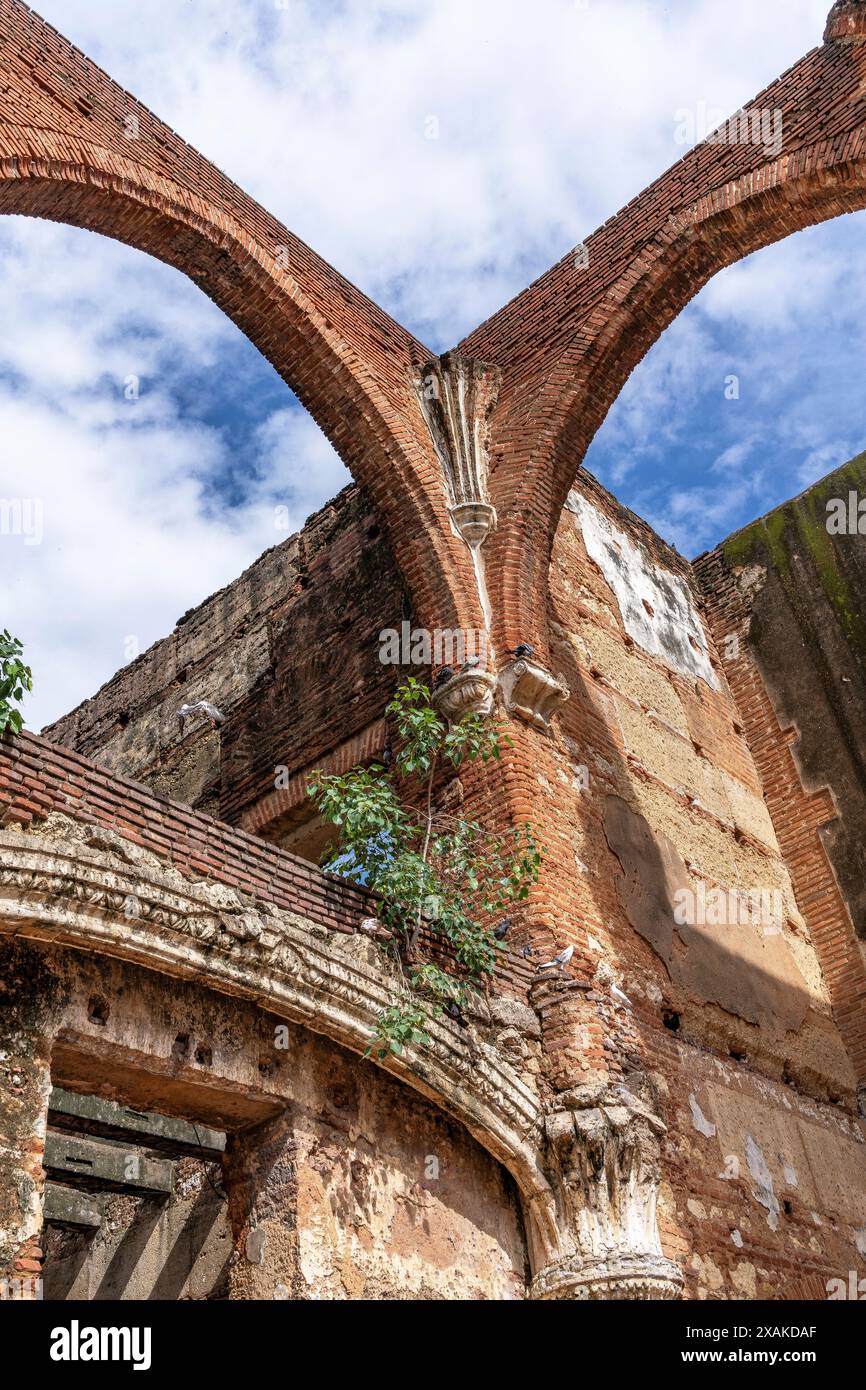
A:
(603, 1164)
(457, 396)
(531, 692)
(122, 901)
(469, 692)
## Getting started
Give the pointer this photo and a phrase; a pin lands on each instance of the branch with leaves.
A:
(15, 679)
(447, 873)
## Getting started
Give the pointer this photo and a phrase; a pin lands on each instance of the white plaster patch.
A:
(699, 1119)
(656, 606)
(763, 1181)
(860, 1240)
(737, 1238)
(790, 1173)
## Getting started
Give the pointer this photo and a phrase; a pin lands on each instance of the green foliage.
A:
(447, 873)
(15, 678)
(398, 1026)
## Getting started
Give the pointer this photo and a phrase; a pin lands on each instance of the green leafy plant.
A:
(446, 873)
(15, 678)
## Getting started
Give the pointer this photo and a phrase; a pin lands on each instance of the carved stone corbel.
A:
(603, 1164)
(469, 692)
(457, 396)
(531, 692)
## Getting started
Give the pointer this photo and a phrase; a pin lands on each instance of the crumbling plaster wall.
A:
(646, 786)
(340, 1183)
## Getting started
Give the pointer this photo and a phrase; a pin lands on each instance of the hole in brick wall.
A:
(671, 1020)
(180, 1046)
(204, 1055)
(266, 1066)
(787, 1207)
(123, 718)
(737, 1055)
(97, 1009)
(373, 533)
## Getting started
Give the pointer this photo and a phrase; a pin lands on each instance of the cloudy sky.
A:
(549, 117)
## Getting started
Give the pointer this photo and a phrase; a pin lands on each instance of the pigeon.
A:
(470, 664)
(527, 952)
(500, 931)
(200, 707)
(523, 649)
(620, 998)
(562, 959)
(444, 675)
(453, 1010)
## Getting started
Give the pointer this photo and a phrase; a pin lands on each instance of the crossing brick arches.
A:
(74, 147)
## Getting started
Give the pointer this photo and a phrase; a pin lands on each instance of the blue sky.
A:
(548, 118)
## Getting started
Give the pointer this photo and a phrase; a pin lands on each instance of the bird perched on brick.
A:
(470, 664)
(558, 961)
(453, 1010)
(523, 649)
(620, 997)
(200, 707)
(501, 930)
(444, 675)
(527, 952)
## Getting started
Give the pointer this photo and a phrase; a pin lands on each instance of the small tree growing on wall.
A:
(446, 873)
(15, 678)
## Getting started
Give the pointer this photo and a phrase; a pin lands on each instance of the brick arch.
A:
(698, 242)
(76, 147)
(366, 414)
(596, 312)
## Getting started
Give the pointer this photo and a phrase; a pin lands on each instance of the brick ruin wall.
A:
(652, 783)
(735, 1024)
(289, 654)
(337, 1181)
(786, 597)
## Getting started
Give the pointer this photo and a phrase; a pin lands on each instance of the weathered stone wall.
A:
(786, 597)
(650, 786)
(338, 1181)
(288, 653)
